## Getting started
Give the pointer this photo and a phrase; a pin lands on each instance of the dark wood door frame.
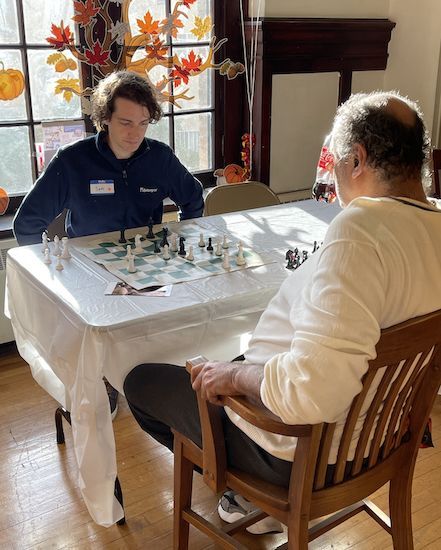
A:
(300, 45)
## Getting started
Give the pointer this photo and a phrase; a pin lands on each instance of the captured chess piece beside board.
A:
(163, 257)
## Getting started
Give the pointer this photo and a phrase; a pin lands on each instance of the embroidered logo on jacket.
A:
(147, 190)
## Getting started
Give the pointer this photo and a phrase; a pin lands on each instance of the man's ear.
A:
(359, 159)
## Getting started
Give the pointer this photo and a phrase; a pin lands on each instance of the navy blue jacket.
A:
(103, 193)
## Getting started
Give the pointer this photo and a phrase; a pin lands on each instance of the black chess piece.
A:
(210, 246)
(150, 234)
(290, 256)
(164, 236)
(182, 251)
(315, 246)
(122, 238)
(304, 255)
(156, 250)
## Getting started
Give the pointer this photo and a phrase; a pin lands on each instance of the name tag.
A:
(102, 187)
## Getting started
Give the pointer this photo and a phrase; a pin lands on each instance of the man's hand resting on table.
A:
(216, 379)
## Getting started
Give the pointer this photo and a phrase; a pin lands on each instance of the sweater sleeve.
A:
(185, 190)
(43, 203)
(337, 328)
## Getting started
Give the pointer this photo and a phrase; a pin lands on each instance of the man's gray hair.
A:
(396, 150)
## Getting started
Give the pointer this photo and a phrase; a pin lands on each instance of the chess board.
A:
(153, 270)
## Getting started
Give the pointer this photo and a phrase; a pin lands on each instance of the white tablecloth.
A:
(72, 335)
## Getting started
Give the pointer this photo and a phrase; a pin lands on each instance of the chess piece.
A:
(218, 249)
(166, 253)
(57, 249)
(131, 268)
(47, 258)
(122, 238)
(129, 252)
(65, 255)
(156, 250)
(201, 240)
(226, 261)
(190, 255)
(225, 244)
(240, 260)
(174, 244)
(164, 236)
(210, 246)
(59, 266)
(182, 251)
(150, 234)
(44, 242)
(138, 245)
(315, 246)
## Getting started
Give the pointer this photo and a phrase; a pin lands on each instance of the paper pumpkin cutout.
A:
(11, 83)
(4, 201)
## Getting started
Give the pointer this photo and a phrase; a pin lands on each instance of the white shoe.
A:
(233, 507)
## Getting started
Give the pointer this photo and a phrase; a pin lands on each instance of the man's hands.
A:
(216, 379)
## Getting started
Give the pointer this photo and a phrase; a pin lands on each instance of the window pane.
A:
(15, 160)
(201, 9)
(47, 105)
(160, 131)
(193, 141)
(8, 22)
(199, 86)
(39, 16)
(13, 109)
(138, 8)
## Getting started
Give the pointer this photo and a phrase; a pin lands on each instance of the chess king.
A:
(116, 179)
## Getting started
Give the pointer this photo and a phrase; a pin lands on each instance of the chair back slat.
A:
(402, 404)
(325, 447)
(350, 423)
(370, 419)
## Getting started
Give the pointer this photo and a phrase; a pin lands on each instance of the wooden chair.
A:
(409, 367)
(436, 161)
(230, 197)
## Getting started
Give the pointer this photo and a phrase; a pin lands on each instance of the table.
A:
(72, 335)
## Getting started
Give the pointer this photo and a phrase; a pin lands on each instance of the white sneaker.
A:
(233, 507)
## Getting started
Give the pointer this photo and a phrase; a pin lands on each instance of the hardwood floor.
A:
(41, 506)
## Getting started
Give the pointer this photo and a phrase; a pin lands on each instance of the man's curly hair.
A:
(396, 150)
(123, 84)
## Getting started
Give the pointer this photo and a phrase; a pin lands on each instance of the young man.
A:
(380, 264)
(116, 179)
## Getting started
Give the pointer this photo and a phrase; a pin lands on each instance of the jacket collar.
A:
(106, 151)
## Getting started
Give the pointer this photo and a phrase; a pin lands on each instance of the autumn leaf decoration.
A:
(118, 46)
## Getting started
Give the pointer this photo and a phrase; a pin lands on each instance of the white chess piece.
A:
(65, 255)
(129, 252)
(44, 242)
(226, 261)
(132, 268)
(201, 240)
(218, 251)
(225, 243)
(166, 253)
(57, 249)
(240, 260)
(47, 258)
(174, 243)
(190, 255)
(138, 241)
(59, 266)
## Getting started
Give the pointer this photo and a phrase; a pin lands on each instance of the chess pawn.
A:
(57, 249)
(218, 249)
(166, 253)
(190, 255)
(65, 255)
(129, 252)
(47, 259)
(59, 266)
(44, 242)
(240, 260)
(225, 244)
(201, 240)
(131, 268)
(226, 261)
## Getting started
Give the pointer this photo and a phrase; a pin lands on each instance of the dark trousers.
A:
(160, 397)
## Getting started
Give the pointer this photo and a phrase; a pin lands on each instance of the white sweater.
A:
(380, 264)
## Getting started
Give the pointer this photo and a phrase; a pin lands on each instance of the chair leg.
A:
(400, 498)
(183, 484)
(61, 413)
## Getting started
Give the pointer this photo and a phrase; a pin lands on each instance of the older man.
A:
(380, 264)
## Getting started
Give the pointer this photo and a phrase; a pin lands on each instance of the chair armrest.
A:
(257, 415)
